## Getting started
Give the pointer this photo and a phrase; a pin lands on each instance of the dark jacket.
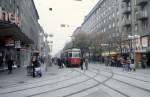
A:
(10, 64)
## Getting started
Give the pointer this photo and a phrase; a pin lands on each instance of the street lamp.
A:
(50, 9)
(67, 25)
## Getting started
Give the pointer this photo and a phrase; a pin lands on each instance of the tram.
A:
(72, 57)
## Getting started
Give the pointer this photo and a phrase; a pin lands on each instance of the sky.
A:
(69, 12)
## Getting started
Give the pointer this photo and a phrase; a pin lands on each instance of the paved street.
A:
(98, 81)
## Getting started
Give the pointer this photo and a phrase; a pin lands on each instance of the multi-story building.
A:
(104, 18)
(136, 22)
(120, 19)
(19, 30)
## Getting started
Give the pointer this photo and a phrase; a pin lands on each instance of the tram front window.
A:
(76, 55)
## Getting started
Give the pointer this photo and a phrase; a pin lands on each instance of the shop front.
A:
(142, 52)
(12, 39)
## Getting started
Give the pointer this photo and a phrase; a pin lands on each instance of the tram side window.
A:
(70, 54)
(66, 55)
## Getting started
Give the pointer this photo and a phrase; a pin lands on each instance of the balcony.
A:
(126, 22)
(142, 15)
(126, 10)
(141, 2)
(126, 0)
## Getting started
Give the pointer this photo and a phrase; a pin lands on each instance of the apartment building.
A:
(136, 22)
(121, 19)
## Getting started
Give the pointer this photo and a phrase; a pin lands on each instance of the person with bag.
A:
(86, 63)
(81, 63)
(10, 64)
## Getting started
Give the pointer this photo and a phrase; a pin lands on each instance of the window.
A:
(17, 12)
(76, 54)
(70, 55)
(113, 24)
(136, 27)
(144, 24)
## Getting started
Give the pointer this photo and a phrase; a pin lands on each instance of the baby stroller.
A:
(37, 71)
(34, 69)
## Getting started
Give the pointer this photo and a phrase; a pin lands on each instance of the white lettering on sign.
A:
(17, 44)
(9, 16)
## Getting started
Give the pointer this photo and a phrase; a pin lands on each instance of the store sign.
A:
(144, 41)
(138, 42)
(17, 44)
(10, 17)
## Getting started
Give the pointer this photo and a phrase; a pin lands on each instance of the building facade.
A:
(19, 31)
(105, 18)
(120, 19)
(136, 22)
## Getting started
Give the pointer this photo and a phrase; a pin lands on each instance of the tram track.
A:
(103, 83)
(124, 75)
(144, 89)
(93, 78)
(27, 83)
(40, 85)
(135, 74)
(99, 83)
(89, 78)
(49, 85)
(96, 72)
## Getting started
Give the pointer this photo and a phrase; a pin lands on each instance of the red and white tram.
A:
(72, 57)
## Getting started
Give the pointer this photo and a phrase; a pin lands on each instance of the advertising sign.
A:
(144, 41)
(10, 16)
(17, 44)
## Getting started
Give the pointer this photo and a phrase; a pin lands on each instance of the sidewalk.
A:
(19, 76)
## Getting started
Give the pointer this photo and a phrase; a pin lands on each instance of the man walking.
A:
(59, 61)
(86, 63)
(10, 64)
(81, 63)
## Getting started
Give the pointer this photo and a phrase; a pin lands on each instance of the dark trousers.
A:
(33, 71)
(81, 66)
(86, 65)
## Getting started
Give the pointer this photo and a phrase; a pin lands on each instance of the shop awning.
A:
(8, 29)
(107, 53)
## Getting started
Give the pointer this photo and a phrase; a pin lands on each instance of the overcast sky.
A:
(68, 12)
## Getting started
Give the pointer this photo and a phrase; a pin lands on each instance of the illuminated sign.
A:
(17, 44)
(10, 17)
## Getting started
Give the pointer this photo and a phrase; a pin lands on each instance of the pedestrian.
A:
(42, 60)
(86, 63)
(33, 65)
(123, 62)
(10, 64)
(132, 65)
(81, 63)
(59, 61)
(128, 64)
